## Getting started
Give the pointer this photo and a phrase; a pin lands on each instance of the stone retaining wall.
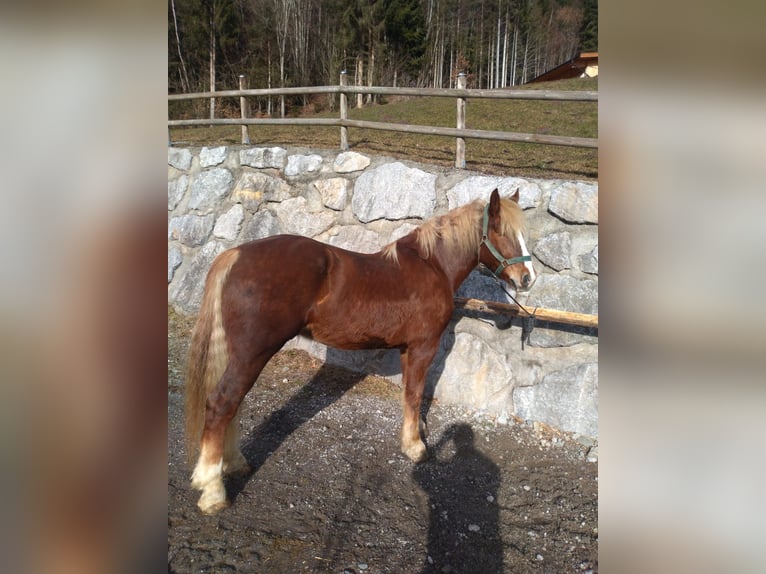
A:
(224, 196)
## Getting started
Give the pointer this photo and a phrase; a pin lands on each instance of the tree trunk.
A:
(491, 64)
(524, 67)
(212, 57)
(480, 49)
(498, 67)
(184, 73)
(451, 65)
(282, 84)
(268, 79)
(371, 62)
(503, 83)
(282, 12)
(359, 80)
(514, 55)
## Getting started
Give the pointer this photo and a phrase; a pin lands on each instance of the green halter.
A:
(493, 250)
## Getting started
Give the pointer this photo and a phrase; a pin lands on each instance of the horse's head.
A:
(503, 249)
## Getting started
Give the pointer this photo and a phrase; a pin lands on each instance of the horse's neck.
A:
(456, 268)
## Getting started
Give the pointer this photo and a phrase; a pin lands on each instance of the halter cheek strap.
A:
(503, 262)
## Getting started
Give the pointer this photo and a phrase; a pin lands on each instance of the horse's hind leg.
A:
(234, 462)
(219, 451)
(415, 363)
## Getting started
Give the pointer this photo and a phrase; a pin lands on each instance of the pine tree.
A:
(589, 28)
(405, 33)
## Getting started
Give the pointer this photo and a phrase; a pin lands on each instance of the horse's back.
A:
(287, 267)
(283, 251)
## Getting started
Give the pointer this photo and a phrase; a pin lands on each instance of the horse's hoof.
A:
(213, 508)
(213, 498)
(416, 452)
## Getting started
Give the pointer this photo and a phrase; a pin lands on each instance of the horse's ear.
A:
(515, 196)
(494, 204)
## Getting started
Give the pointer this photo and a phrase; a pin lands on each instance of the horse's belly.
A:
(340, 337)
(374, 327)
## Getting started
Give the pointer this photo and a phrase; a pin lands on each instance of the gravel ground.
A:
(330, 491)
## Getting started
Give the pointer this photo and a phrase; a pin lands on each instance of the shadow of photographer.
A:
(462, 486)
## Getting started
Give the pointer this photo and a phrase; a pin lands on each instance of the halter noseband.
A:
(493, 250)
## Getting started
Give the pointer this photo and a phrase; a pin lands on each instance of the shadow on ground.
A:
(325, 387)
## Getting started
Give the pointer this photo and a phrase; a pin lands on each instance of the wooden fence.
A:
(461, 94)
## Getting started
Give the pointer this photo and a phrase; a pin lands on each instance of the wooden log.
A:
(540, 313)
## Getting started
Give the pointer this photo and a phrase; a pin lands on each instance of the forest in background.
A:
(417, 43)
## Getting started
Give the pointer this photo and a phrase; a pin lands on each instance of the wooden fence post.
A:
(243, 109)
(460, 142)
(343, 112)
(359, 81)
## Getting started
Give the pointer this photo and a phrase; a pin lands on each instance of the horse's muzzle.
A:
(526, 281)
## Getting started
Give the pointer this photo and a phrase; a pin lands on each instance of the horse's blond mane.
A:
(460, 229)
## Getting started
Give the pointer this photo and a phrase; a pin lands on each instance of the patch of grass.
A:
(578, 119)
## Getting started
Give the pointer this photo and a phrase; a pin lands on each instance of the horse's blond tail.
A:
(208, 354)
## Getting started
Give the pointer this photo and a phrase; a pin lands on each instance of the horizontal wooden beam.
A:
(540, 313)
(402, 128)
(256, 92)
(476, 134)
(500, 94)
(257, 122)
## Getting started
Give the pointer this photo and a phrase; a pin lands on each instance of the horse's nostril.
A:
(525, 280)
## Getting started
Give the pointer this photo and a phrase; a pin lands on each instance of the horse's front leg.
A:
(415, 363)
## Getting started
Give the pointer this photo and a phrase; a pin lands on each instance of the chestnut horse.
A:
(263, 293)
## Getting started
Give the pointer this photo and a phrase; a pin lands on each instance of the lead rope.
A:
(528, 322)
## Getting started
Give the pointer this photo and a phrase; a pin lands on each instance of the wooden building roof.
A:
(574, 68)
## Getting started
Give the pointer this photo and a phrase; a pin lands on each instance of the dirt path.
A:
(331, 493)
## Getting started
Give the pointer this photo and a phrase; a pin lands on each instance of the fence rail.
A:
(460, 94)
(503, 94)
